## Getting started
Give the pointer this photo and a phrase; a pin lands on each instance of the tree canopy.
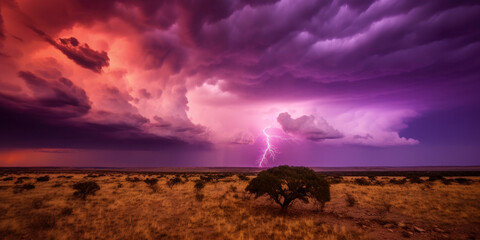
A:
(285, 184)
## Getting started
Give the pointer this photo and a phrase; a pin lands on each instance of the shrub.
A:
(151, 181)
(206, 178)
(415, 179)
(362, 181)
(20, 179)
(447, 181)
(62, 176)
(152, 184)
(378, 183)
(233, 188)
(335, 179)
(28, 186)
(435, 178)
(199, 185)
(20, 188)
(243, 177)
(174, 181)
(8, 179)
(463, 181)
(45, 178)
(135, 179)
(398, 181)
(57, 185)
(85, 188)
(91, 176)
(222, 176)
(286, 184)
(350, 199)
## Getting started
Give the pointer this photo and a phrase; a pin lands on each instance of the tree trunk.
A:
(284, 205)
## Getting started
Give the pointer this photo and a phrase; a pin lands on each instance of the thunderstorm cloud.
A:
(158, 74)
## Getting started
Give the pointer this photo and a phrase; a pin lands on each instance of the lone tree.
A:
(285, 184)
(84, 189)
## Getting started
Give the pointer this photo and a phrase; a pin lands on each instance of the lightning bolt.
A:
(269, 150)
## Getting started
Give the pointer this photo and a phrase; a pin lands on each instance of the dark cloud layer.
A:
(270, 47)
(379, 61)
(58, 96)
(52, 118)
(81, 54)
(333, 47)
(56, 99)
(30, 129)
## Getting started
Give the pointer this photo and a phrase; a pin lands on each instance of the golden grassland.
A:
(438, 203)
(131, 210)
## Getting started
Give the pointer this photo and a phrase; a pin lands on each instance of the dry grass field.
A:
(125, 209)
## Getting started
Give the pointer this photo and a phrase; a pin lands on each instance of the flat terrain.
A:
(126, 207)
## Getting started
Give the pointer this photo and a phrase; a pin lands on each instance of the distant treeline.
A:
(403, 173)
(244, 171)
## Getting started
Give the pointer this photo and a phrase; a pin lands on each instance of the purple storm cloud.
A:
(186, 76)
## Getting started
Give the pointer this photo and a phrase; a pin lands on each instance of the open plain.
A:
(126, 207)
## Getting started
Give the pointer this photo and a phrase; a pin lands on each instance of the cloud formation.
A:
(308, 127)
(57, 114)
(81, 54)
(58, 99)
(203, 71)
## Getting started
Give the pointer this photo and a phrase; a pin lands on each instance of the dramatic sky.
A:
(217, 82)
